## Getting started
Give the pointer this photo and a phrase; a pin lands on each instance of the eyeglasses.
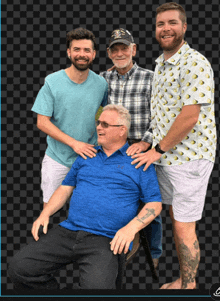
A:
(105, 124)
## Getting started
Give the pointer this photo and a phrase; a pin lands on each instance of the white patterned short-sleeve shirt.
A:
(184, 79)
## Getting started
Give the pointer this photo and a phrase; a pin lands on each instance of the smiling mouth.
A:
(167, 37)
(82, 60)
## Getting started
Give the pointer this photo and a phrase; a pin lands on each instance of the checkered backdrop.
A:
(33, 46)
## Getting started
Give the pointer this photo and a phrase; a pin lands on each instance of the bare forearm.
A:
(148, 213)
(125, 235)
(57, 201)
(81, 148)
(182, 125)
(46, 126)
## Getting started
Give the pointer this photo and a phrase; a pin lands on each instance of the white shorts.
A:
(52, 175)
(184, 187)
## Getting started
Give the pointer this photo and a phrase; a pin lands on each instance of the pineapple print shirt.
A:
(184, 79)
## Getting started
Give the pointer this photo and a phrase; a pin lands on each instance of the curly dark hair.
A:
(172, 6)
(80, 34)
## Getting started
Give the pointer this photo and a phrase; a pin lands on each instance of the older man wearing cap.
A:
(130, 86)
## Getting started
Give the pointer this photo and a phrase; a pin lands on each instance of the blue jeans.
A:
(154, 236)
(34, 265)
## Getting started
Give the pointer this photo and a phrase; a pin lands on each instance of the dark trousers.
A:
(34, 265)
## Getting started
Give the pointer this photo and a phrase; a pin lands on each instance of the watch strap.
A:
(158, 149)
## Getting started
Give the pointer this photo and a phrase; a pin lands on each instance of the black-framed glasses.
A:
(105, 124)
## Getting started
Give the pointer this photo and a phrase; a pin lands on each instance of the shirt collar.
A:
(129, 73)
(176, 57)
(122, 150)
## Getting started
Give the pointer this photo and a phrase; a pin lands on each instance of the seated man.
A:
(102, 220)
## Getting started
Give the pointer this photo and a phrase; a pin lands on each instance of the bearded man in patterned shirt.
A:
(184, 135)
(130, 85)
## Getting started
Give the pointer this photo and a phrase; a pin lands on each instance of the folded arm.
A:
(125, 235)
(56, 202)
(81, 148)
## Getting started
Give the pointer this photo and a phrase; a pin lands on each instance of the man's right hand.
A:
(43, 220)
(84, 149)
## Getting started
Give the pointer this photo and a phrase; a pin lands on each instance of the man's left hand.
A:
(148, 158)
(122, 240)
(137, 148)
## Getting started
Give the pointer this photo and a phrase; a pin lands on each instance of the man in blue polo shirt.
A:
(102, 220)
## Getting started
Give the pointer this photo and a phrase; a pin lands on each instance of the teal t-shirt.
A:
(72, 108)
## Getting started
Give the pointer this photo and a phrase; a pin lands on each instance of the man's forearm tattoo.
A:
(149, 213)
(189, 261)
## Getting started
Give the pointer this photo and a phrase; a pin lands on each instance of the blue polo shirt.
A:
(107, 192)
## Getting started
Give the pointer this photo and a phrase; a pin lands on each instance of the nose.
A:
(166, 27)
(82, 52)
(119, 52)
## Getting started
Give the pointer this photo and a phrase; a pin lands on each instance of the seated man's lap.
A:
(36, 262)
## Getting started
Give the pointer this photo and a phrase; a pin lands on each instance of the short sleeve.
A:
(71, 177)
(197, 84)
(44, 103)
(150, 191)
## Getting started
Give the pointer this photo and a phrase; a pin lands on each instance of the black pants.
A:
(33, 266)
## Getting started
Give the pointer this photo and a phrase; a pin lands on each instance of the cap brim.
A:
(120, 41)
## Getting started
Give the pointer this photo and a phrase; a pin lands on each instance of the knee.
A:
(13, 268)
(16, 268)
(184, 230)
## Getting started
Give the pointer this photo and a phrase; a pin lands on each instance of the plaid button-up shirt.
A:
(133, 91)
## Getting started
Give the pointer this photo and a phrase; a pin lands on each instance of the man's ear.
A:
(134, 50)
(94, 54)
(123, 130)
(109, 53)
(68, 52)
(184, 27)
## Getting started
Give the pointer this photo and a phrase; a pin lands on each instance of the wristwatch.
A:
(158, 149)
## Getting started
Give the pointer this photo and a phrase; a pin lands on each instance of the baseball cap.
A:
(121, 36)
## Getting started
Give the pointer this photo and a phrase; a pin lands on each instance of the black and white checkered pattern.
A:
(33, 46)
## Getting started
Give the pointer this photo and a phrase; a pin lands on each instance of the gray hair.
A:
(123, 113)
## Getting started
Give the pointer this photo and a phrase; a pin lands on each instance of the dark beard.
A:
(176, 42)
(81, 67)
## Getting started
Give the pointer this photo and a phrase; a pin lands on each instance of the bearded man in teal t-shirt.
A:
(66, 107)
